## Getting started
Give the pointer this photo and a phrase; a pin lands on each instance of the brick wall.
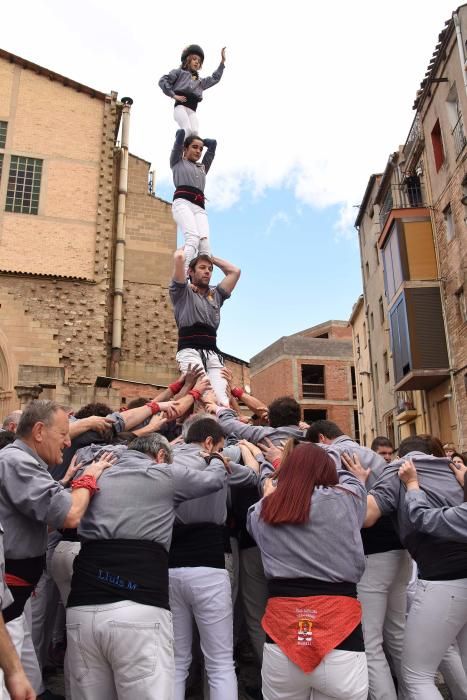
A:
(50, 322)
(67, 130)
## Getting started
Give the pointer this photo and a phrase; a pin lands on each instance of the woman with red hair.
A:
(307, 527)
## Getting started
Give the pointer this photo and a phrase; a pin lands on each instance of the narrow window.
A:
(437, 143)
(3, 128)
(386, 367)
(354, 382)
(449, 223)
(381, 310)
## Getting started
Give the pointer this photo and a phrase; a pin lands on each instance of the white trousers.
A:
(61, 568)
(451, 666)
(203, 593)
(44, 606)
(190, 356)
(341, 675)
(382, 591)
(254, 595)
(120, 651)
(187, 119)
(437, 618)
(192, 220)
(19, 630)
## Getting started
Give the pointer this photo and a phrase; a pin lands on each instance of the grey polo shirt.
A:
(328, 547)
(30, 500)
(190, 307)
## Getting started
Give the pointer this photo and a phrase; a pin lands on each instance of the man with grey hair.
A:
(118, 608)
(11, 421)
(30, 500)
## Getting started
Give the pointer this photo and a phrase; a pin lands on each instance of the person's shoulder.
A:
(19, 453)
(174, 284)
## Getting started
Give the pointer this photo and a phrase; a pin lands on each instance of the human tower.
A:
(196, 304)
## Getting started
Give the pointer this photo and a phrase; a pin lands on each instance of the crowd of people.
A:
(170, 529)
(169, 536)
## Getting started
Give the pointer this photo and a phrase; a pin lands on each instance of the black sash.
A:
(107, 571)
(197, 544)
(191, 101)
(191, 194)
(29, 571)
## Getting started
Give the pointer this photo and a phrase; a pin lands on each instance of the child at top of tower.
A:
(189, 176)
(186, 87)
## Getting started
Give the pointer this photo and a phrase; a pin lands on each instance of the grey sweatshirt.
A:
(182, 82)
(211, 508)
(328, 547)
(185, 172)
(137, 498)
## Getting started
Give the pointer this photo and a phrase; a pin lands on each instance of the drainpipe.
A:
(460, 46)
(372, 375)
(119, 264)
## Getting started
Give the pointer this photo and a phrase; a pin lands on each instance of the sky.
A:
(314, 99)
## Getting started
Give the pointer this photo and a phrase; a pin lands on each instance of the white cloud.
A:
(344, 226)
(280, 217)
(315, 95)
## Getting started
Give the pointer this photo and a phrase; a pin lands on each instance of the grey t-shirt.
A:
(190, 307)
(30, 500)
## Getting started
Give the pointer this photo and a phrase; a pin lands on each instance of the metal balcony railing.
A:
(414, 143)
(404, 401)
(458, 134)
(406, 195)
(313, 391)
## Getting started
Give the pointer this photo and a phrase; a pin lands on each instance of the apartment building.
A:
(413, 245)
(316, 367)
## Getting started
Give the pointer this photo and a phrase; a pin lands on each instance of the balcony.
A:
(414, 145)
(418, 340)
(313, 391)
(406, 410)
(406, 195)
(458, 135)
